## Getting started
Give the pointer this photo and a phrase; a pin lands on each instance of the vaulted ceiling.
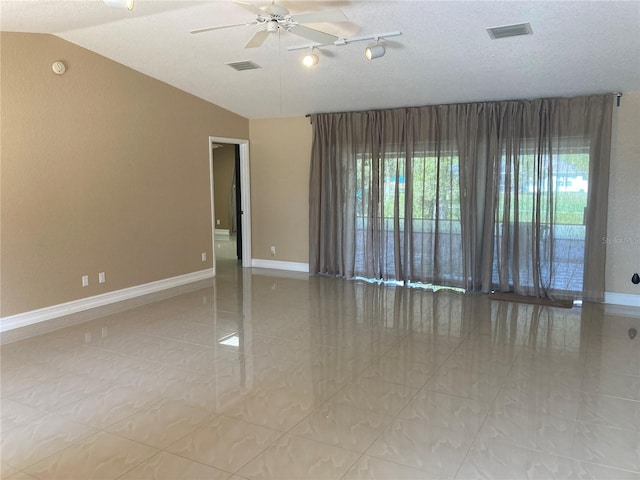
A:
(444, 54)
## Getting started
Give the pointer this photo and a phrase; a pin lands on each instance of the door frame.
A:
(245, 201)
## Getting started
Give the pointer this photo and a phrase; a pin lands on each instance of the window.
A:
(555, 196)
(417, 200)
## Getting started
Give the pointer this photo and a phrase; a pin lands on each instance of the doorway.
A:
(237, 200)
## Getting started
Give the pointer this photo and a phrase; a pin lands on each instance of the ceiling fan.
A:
(271, 18)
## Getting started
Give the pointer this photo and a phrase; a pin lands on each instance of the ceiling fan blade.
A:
(327, 16)
(257, 39)
(251, 7)
(220, 27)
(314, 35)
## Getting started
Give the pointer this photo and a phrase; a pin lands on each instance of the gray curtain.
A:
(507, 196)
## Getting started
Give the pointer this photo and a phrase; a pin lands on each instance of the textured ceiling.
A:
(444, 54)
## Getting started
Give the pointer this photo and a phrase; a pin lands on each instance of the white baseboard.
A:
(222, 231)
(622, 299)
(49, 313)
(278, 265)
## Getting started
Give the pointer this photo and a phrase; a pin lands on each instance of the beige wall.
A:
(106, 169)
(103, 169)
(623, 232)
(223, 161)
(280, 152)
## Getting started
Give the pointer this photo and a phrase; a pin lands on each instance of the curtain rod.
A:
(618, 96)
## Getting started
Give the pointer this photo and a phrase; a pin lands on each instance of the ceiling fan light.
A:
(128, 4)
(310, 60)
(374, 51)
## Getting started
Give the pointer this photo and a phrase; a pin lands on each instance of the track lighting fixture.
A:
(310, 59)
(374, 51)
(128, 4)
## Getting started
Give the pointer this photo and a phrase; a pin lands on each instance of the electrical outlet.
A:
(85, 280)
(217, 222)
(101, 278)
(273, 251)
(204, 256)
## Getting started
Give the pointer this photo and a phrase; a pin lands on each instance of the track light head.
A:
(310, 60)
(374, 51)
(128, 4)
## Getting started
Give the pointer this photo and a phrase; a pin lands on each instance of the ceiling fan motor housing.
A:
(272, 26)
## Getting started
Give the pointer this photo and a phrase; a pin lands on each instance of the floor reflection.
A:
(262, 373)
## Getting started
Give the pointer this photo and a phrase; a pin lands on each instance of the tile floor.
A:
(264, 374)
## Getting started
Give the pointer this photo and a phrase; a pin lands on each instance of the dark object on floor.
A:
(632, 333)
(512, 297)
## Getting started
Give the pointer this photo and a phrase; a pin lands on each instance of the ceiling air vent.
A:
(510, 31)
(244, 65)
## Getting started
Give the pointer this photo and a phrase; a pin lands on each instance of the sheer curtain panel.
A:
(384, 196)
(508, 196)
